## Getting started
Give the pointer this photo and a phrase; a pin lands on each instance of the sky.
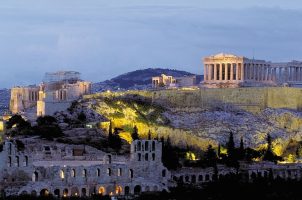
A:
(103, 39)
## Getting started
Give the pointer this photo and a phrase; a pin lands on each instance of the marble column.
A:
(232, 72)
(241, 71)
(226, 71)
(220, 71)
(215, 72)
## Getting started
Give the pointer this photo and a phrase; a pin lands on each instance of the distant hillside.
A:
(4, 100)
(139, 79)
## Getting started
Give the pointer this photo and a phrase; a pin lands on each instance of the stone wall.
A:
(251, 99)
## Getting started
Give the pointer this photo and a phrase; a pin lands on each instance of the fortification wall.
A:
(252, 99)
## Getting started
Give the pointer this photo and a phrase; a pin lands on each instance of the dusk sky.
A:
(103, 39)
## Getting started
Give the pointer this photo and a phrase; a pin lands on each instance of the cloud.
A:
(102, 39)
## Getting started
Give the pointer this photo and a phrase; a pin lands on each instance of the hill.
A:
(138, 79)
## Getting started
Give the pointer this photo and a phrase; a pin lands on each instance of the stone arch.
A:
(131, 173)
(98, 172)
(118, 190)
(146, 157)
(57, 192)
(84, 173)
(65, 192)
(62, 174)
(155, 188)
(44, 192)
(146, 146)
(33, 193)
(102, 190)
(109, 171)
(193, 179)
(9, 161)
(73, 173)
(109, 157)
(187, 178)
(84, 192)
(147, 189)
(200, 178)
(137, 189)
(207, 178)
(153, 146)
(127, 190)
(25, 164)
(17, 161)
(74, 191)
(35, 177)
(139, 146)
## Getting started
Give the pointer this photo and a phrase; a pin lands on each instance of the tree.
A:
(210, 156)
(241, 149)
(231, 145)
(134, 134)
(110, 128)
(114, 140)
(149, 135)
(269, 155)
(170, 158)
(47, 127)
(219, 150)
(18, 121)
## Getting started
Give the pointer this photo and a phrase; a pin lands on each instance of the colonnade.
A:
(288, 73)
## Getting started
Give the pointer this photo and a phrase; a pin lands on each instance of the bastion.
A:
(252, 99)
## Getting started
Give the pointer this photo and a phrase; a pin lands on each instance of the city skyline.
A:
(103, 40)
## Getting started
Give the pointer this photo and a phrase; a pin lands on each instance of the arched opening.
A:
(74, 191)
(9, 161)
(139, 157)
(146, 157)
(146, 146)
(118, 190)
(153, 146)
(109, 159)
(73, 173)
(130, 173)
(25, 161)
(193, 179)
(35, 177)
(147, 189)
(98, 172)
(163, 173)
(84, 173)
(139, 147)
(84, 191)
(57, 192)
(33, 193)
(17, 161)
(187, 178)
(102, 191)
(127, 190)
(65, 192)
(119, 172)
(153, 156)
(137, 189)
(44, 192)
(200, 178)
(62, 174)
(155, 188)
(109, 172)
(207, 177)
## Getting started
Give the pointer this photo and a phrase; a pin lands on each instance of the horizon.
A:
(105, 39)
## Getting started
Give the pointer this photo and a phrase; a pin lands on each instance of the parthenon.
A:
(227, 70)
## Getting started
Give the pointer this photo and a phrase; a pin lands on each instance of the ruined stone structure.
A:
(56, 93)
(227, 70)
(76, 170)
(170, 81)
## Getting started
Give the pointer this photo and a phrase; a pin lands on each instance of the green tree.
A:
(170, 158)
(134, 134)
(241, 149)
(114, 140)
(210, 156)
(110, 128)
(269, 155)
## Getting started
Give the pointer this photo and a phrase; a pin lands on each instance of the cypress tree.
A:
(149, 135)
(231, 145)
(134, 134)
(110, 128)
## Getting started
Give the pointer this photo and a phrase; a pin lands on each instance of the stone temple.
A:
(227, 70)
(55, 93)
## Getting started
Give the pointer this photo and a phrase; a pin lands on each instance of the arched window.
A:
(98, 172)
(193, 179)
(207, 177)
(146, 145)
(35, 177)
(65, 192)
(73, 173)
(62, 174)
(139, 157)
(153, 146)
(57, 192)
(130, 173)
(17, 161)
(163, 173)
(44, 192)
(84, 173)
(102, 190)
(25, 161)
(118, 190)
(137, 189)
(127, 190)
(119, 172)
(139, 146)
(153, 156)
(146, 157)
(109, 172)
(200, 178)
(9, 161)
(109, 159)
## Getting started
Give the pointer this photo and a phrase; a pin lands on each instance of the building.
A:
(170, 81)
(55, 93)
(227, 70)
(75, 170)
